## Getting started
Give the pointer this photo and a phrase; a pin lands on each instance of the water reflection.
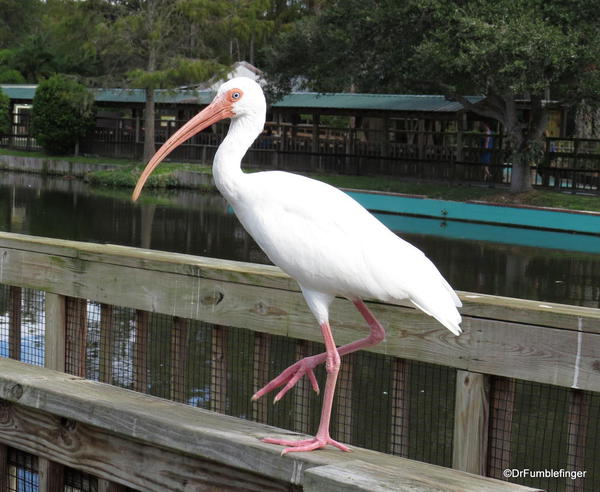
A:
(200, 224)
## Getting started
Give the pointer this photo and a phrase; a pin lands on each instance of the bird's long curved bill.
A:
(215, 111)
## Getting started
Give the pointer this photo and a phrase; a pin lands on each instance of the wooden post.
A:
(55, 332)
(218, 375)
(501, 413)
(14, 324)
(576, 438)
(459, 142)
(316, 157)
(260, 408)
(384, 146)
(140, 381)
(421, 141)
(77, 336)
(51, 474)
(471, 420)
(137, 127)
(106, 342)
(400, 407)
(179, 356)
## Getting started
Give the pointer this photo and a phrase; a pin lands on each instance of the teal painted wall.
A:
(475, 212)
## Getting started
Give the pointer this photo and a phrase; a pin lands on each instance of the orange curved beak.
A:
(217, 110)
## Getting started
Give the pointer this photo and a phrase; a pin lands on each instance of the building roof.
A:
(162, 96)
(379, 102)
(19, 91)
(120, 96)
(295, 100)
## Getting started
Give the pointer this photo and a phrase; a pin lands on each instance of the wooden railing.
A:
(504, 340)
(129, 439)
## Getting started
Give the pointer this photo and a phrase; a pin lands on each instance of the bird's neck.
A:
(227, 171)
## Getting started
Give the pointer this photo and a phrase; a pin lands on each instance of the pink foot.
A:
(291, 376)
(306, 444)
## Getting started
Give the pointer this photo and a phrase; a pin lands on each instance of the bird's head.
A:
(235, 99)
(243, 96)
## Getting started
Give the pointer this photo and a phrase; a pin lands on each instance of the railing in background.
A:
(519, 389)
(21, 135)
(569, 164)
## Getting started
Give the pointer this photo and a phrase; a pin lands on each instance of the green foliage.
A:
(511, 46)
(447, 46)
(11, 76)
(18, 18)
(179, 71)
(62, 113)
(4, 113)
(349, 45)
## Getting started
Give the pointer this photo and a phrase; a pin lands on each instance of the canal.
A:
(200, 223)
(510, 262)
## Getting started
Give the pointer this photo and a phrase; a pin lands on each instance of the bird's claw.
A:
(306, 444)
(290, 377)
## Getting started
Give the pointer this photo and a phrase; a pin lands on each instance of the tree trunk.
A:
(520, 179)
(526, 143)
(149, 145)
(587, 120)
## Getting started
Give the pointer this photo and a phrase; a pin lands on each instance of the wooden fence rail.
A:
(508, 338)
(134, 440)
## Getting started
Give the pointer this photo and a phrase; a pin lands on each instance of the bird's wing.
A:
(330, 243)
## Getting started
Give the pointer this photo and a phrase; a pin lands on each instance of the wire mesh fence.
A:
(22, 324)
(77, 481)
(219, 368)
(23, 473)
(544, 436)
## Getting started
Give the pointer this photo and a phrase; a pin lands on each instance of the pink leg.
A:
(294, 373)
(332, 364)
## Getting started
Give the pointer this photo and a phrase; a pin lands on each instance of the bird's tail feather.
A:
(448, 315)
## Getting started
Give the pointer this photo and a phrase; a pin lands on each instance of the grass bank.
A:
(124, 173)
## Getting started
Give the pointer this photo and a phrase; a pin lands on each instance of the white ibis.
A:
(320, 236)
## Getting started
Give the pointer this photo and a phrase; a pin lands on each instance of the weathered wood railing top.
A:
(531, 340)
(106, 430)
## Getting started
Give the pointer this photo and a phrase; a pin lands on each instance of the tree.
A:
(62, 114)
(154, 35)
(18, 19)
(502, 49)
(4, 113)
(18, 23)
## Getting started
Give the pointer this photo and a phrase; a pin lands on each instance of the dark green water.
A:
(201, 224)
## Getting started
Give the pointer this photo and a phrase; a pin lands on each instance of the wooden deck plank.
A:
(355, 475)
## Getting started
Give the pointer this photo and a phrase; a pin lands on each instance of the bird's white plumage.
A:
(330, 244)
(319, 235)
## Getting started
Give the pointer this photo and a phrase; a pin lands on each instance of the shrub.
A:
(62, 114)
(4, 113)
